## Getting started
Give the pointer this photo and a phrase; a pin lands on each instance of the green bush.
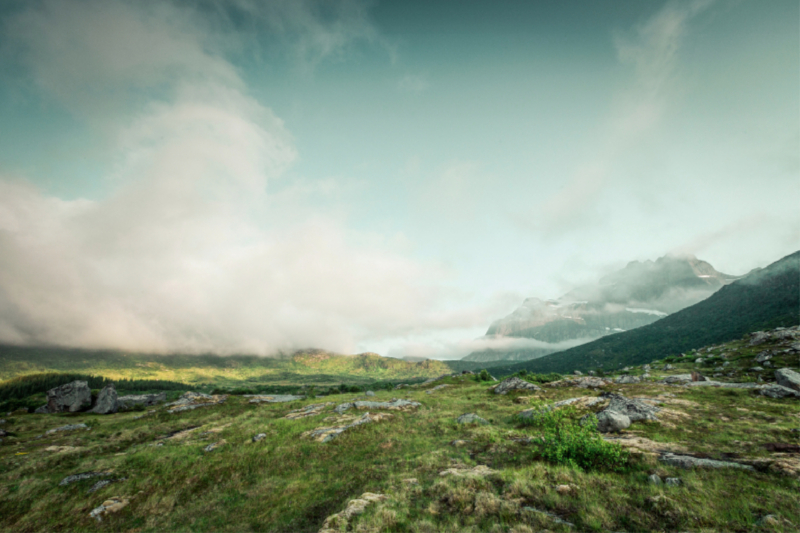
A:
(566, 442)
(483, 375)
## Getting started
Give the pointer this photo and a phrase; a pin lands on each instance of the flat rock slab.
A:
(68, 427)
(587, 382)
(80, 477)
(723, 384)
(687, 461)
(327, 434)
(195, 400)
(308, 410)
(273, 398)
(514, 384)
(146, 400)
(394, 405)
(461, 471)
(778, 391)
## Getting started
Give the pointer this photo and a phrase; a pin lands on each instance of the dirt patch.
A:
(646, 446)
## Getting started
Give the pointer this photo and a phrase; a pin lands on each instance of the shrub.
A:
(484, 375)
(566, 442)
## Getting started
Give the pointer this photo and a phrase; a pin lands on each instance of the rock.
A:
(514, 384)
(646, 368)
(460, 471)
(763, 357)
(68, 427)
(687, 461)
(437, 387)
(578, 373)
(788, 378)
(778, 391)
(672, 481)
(758, 337)
(394, 405)
(213, 446)
(339, 521)
(327, 434)
(2, 421)
(111, 505)
(769, 520)
(147, 400)
(258, 437)
(756, 369)
(698, 361)
(697, 376)
(653, 479)
(193, 400)
(107, 402)
(3, 433)
(471, 418)
(80, 477)
(677, 379)
(273, 398)
(632, 408)
(668, 367)
(592, 373)
(102, 483)
(627, 380)
(564, 489)
(370, 393)
(308, 410)
(71, 397)
(612, 421)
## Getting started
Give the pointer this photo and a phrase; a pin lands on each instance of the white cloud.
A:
(411, 83)
(185, 255)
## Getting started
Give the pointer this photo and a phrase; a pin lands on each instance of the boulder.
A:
(632, 408)
(147, 400)
(514, 384)
(788, 378)
(370, 393)
(471, 418)
(627, 380)
(778, 391)
(578, 373)
(612, 421)
(687, 461)
(763, 357)
(653, 479)
(71, 397)
(759, 337)
(68, 427)
(107, 402)
(677, 379)
(258, 437)
(672, 481)
(668, 367)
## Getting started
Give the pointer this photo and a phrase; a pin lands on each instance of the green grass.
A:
(289, 483)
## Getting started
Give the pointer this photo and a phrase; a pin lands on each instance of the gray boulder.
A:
(759, 337)
(778, 391)
(612, 421)
(106, 401)
(627, 380)
(677, 379)
(687, 461)
(72, 397)
(514, 384)
(633, 409)
(147, 400)
(471, 418)
(763, 357)
(788, 378)
(672, 481)
(654, 479)
(370, 393)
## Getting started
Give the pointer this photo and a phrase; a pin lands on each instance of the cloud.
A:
(461, 348)
(411, 83)
(651, 48)
(188, 253)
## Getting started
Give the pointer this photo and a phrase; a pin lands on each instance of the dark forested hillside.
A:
(766, 298)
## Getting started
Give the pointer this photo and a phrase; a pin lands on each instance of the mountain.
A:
(632, 297)
(304, 366)
(765, 298)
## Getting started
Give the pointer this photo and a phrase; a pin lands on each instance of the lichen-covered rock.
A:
(788, 378)
(514, 384)
(471, 418)
(687, 461)
(778, 391)
(632, 408)
(107, 402)
(394, 405)
(71, 397)
(273, 398)
(327, 434)
(339, 522)
(112, 505)
(68, 427)
(309, 410)
(194, 400)
(146, 400)
(627, 380)
(612, 421)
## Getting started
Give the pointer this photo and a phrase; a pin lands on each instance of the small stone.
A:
(578, 373)
(673, 481)
(258, 437)
(563, 489)
(698, 361)
(370, 393)
(653, 479)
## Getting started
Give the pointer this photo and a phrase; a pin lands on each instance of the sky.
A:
(242, 176)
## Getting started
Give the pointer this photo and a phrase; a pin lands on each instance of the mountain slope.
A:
(763, 299)
(637, 295)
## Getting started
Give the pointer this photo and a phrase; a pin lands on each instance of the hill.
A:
(763, 299)
(632, 297)
(310, 367)
(405, 462)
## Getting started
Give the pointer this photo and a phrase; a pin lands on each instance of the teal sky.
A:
(240, 176)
